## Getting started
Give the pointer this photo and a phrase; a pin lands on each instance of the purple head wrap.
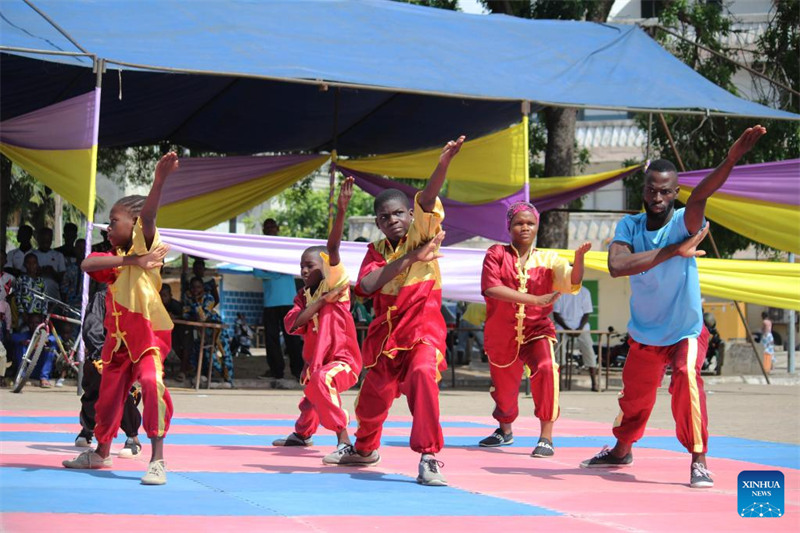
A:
(519, 207)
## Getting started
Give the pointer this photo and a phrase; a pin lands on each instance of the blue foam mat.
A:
(244, 494)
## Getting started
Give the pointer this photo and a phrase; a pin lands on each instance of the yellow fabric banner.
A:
(776, 225)
(552, 186)
(486, 169)
(202, 212)
(70, 173)
(759, 282)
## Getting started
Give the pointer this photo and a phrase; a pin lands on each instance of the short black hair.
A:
(662, 165)
(388, 195)
(316, 250)
(133, 204)
(70, 226)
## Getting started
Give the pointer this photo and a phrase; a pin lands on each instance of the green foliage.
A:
(451, 5)
(35, 202)
(303, 212)
(703, 142)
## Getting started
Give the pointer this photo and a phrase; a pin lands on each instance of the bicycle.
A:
(40, 337)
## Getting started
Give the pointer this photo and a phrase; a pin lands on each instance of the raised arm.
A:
(622, 261)
(427, 198)
(379, 277)
(166, 165)
(696, 204)
(335, 237)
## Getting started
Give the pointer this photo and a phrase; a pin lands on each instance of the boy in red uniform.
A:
(405, 343)
(321, 314)
(138, 327)
(520, 284)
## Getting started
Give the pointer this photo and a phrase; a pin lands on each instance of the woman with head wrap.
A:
(520, 284)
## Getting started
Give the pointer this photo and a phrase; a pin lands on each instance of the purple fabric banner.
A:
(203, 175)
(460, 267)
(461, 220)
(67, 125)
(777, 182)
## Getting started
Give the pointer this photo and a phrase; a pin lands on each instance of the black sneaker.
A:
(604, 459)
(544, 448)
(498, 438)
(701, 477)
(293, 440)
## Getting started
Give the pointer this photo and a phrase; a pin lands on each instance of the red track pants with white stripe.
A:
(118, 376)
(414, 373)
(321, 403)
(539, 357)
(641, 377)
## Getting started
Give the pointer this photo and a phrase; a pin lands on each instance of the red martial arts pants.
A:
(539, 357)
(412, 373)
(321, 403)
(641, 377)
(118, 376)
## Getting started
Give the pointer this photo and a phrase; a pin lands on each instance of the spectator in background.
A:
(199, 271)
(25, 289)
(472, 327)
(51, 262)
(571, 312)
(72, 281)
(6, 279)
(16, 257)
(181, 334)
(68, 248)
(767, 340)
(279, 292)
(200, 307)
(20, 342)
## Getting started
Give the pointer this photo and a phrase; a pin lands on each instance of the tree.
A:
(559, 122)
(703, 141)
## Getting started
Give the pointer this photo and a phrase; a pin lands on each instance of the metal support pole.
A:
(790, 338)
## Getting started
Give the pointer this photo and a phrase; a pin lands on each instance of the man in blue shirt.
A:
(657, 249)
(279, 293)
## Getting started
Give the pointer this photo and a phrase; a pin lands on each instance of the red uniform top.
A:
(135, 316)
(331, 334)
(408, 308)
(510, 325)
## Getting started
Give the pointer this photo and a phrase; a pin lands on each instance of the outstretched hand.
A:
(451, 149)
(167, 165)
(688, 248)
(582, 249)
(152, 259)
(543, 300)
(745, 142)
(430, 250)
(345, 193)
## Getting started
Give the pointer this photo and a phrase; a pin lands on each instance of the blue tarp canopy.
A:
(247, 76)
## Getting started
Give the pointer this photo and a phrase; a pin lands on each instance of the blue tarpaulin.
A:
(410, 75)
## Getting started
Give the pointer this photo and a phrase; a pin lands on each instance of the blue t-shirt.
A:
(279, 289)
(665, 300)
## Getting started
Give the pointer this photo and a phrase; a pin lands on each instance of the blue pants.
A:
(46, 359)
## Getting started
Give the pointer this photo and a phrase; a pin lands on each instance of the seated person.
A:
(181, 334)
(242, 332)
(26, 288)
(20, 342)
(199, 306)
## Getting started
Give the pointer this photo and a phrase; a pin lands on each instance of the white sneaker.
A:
(60, 382)
(156, 474)
(430, 473)
(88, 460)
(83, 442)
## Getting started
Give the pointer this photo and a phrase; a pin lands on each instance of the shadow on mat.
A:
(99, 473)
(610, 474)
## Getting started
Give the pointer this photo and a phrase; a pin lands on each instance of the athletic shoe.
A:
(293, 440)
(156, 473)
(498, 438)
(430, 473)
(88, 460)
(604, 459)
(335, 457)
(544, 448)
(350, 457)
(82, 441)
(60, 382)
(131, 449)
(701, 477)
